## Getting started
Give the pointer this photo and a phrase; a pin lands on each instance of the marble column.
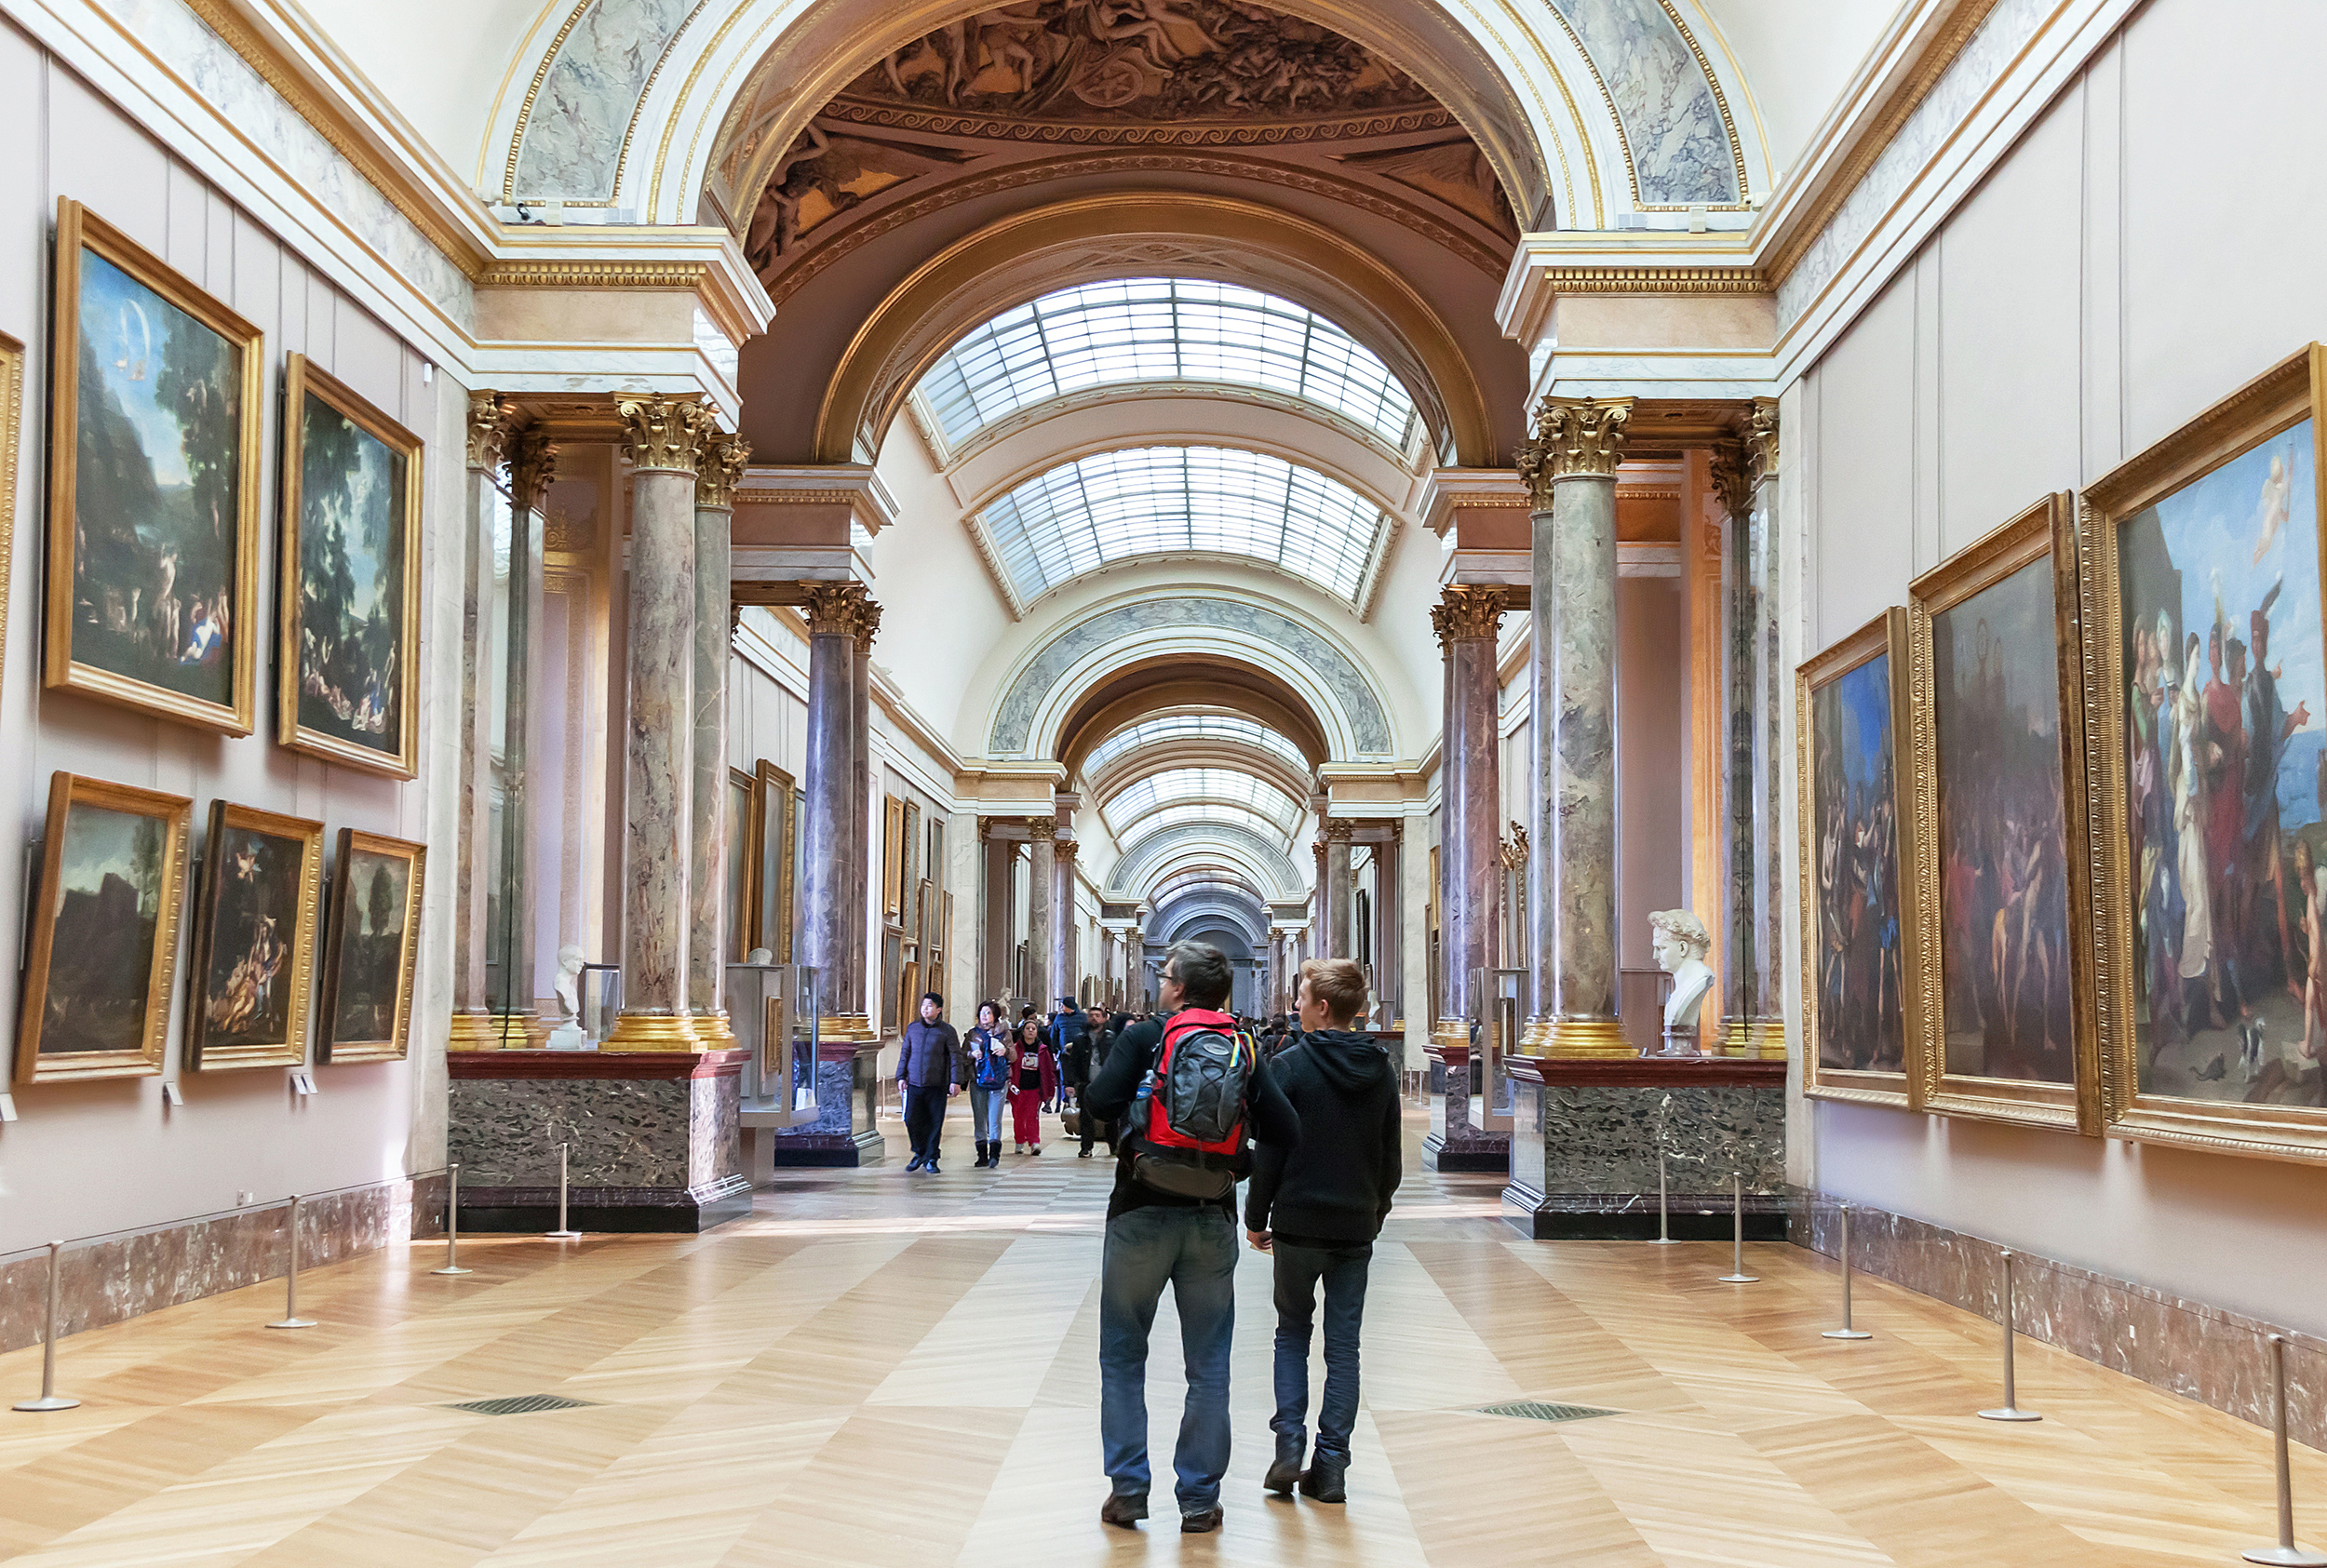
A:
(474, 1025)
(1339, 905)
(719, 467)
(1569, 467)
(662, 439)
(1466, 619)
(1753, 998)
(533, 465)
(1064, 961)
(1040, 902)
(1139, 969)
(863, 971)
(832, 916)
(1389, 955)
(1000, 865)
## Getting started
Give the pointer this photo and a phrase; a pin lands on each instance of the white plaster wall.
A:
(2134, 259)
(446, 94)
(91, 1158)
(1796, 56)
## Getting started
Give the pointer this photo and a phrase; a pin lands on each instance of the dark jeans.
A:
(1194, 1250)
(925, 1117)
(1299, 1270)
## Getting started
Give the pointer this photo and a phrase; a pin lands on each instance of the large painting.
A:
(1996, 748)
(254, 940)
(775, 831)
(351, 579)
(11, 445)
(373, 934)
(1858, 938)
(153, 496)
(741, 865)
(2209, 749)
(104, 939)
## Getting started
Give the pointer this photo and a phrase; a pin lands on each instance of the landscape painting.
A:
(153, 507)
(254, 940)
(351, 599)
(106, 931)
(370, 948)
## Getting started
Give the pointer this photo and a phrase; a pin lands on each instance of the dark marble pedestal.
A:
(1453, 1144)
(1587, 1131)
(844, 1134)
(655, 1141)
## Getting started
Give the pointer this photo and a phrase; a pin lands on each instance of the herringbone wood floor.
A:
(881, 1368)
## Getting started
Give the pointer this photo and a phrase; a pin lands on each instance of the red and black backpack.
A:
(1188, 1124)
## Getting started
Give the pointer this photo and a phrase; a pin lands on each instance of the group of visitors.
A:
(1030, 1068)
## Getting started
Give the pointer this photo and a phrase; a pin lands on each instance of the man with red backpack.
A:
(1193, 1095)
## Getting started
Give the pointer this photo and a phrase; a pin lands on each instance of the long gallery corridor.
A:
(880, 1369)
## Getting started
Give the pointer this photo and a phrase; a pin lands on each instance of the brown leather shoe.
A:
(1124, 1510)
(1200, 1523)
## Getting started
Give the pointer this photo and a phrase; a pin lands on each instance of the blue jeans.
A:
(1299, 1270)
(988, 1106)
(1194, 1249)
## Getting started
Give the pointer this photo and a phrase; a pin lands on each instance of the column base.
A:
(633, 1210)
(712, 1029)
(654, 1031)
(1632, 1216)
(1576, 1038)
(850, 1028)
(496, 1031)
(1762, 1039)
(1489, 1152)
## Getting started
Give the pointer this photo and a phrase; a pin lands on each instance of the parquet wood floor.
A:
(889, 1369)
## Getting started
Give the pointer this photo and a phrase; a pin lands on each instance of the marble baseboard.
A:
(789, 1150)
(2187, 1347)
(1480, 1151)
(113, 1279)
(502, 1211)
(1632, 1216)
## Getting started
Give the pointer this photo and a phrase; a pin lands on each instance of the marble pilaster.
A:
(1389, 955)
(1064, 980)
(1466, 619)
(1000, 868)
(1041, 898)
(1753, 999)
(832, 911)
(474, 1026)
(1137, 969)
(661, 439)
(533, 465)
(1338, 902)
(1569, 467)
(860, 978)
(718, 467)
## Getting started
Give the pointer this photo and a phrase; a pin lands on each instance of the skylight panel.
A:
(1187, 726)
(1202, 794)
(1210, 812)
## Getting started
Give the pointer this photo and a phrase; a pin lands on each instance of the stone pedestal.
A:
(1587, 1130)
(1453, 1143)
(844, 1135)
(656, 1145)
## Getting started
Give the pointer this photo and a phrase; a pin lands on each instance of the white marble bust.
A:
(568, 979)
(1681, 944)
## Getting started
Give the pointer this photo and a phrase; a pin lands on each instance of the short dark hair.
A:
(933, 997)
(1204, 977)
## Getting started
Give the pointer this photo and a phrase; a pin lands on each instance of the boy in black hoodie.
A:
(1317, 1208)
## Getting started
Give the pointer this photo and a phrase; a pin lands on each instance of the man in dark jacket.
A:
(1317, 1208)
(931, 1067)
(1065, 1031)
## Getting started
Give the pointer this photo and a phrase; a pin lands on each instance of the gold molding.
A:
(1618, 278)
(11, 447)
(583, 273)
(533, 93)
(656, 1031)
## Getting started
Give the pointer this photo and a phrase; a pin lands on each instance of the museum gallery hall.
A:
(1646, 681)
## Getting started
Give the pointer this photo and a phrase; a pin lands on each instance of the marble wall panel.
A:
(626, 1133)
(1664, 102)
(1605, 1140)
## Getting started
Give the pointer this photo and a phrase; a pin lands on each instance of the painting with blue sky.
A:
(1861, 1015)
(351, 552)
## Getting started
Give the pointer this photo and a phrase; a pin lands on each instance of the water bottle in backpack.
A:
(1188, 1122)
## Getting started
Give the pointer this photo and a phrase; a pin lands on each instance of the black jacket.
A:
(1335, 1188)
(1269, 1119)
(931, 1055)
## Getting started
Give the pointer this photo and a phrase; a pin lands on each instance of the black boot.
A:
(1323, 1479)
(988, 1156)
(1285, 1473)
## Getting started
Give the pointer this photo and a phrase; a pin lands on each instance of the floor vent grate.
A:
(522, 1404)
(1535, 1409)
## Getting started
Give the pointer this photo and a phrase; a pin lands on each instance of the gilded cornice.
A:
(664, 432)
(1207, 133)
(533, 465)
(719, 468)
(488, 429)
(583, 273)
(1619, 279)
(1573, 436)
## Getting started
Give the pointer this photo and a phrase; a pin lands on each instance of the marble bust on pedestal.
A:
(568, 1035)
(1681, 944)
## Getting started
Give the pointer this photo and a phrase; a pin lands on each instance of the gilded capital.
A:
(1761, 440)
(1338, 830)
(1514, 851)
(867, 624)
(1730, 480)
(834, 609)
(1042, 830)
(533, 458)
(1573, 436)
(1317, 848)
(664, 432)
(985, 829)
(488, 429)
(1063, 849)
(718, 469)
(1464, 612)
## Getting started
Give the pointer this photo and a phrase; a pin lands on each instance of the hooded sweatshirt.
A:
(1334, 1188)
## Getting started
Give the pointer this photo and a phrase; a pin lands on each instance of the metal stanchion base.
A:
(1662, 1242)
(49, 1401)
(1740, 1279)
(562, 1235)
(294, 1324)
(1845, 1334)
(2292, 1557)
(452, 1269)
(2010, 1412)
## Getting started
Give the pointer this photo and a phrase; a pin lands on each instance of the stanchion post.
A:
(1664, 1219)
(2286, 1553)
(1846, 1331)
(49, 1399)
(563, 1233)
(292, 1319)
(1737, 1275)
(453, 1223)
(2009, 1410)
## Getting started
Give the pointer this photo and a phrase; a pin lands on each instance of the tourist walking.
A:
(930, 1070)
(1316, 1210)
(987, 1047)
(1171, 1220)
(1033, 1080)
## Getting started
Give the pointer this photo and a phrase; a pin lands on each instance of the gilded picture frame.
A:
(775, 844)
(893, 860)
(11, 450)
(1987, 1045)
(253, 954)
(1858, 888)
(326, 458)
(743, 864)
(892, 968)
(2208, 516)
(136, 623)
(101, 969)
(371, 938)
(908, 993)
(924, 917)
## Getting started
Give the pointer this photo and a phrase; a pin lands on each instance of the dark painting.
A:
(351, 588)
(110, 873)
(1861, 1014)
(370, 946)
(253, 921)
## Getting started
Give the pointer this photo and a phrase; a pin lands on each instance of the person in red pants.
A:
(1033, 1080)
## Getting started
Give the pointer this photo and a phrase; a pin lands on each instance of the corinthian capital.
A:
(1339, 830)
(533, 465)
(718, 469)
(488, 429)
(1464, 612)
(867, 625)
(664, 432)
(1731, 481)
(1761, 440)
(1041, 829)
(836, 609)
(1573, 435)
(1065, 850)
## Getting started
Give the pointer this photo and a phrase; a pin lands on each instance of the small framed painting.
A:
(743, 864)
(369, 947)
(775, 829)
(104, 939)
(1858, 924)
(893, 861)
(153, 494)
(908, 994)
(350, 621)
(923, 930)
(254, 940)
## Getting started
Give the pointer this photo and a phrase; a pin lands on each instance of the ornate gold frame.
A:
(2283, 396)
(301, 377)
(893, 862)
(66, 791)
(395, 1049)
(910, 990)
(11, 444)
(77, 228)
(2044, 532)
(743, 842)
(292, 1052)
(775, 804)
(1887, 633)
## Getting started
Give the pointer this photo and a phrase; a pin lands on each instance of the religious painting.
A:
(893, 861)
(775, 831)
(351, 578)
(369, 947)
(254, 940)
(1857, 936)
(153, 495)
(742, 864)
(1999, 829)
(2208, 748)
(104, 938)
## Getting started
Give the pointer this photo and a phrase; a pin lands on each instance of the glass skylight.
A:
(1224, 789)
(1194, 726)
(1154, 501)
(1138, 826)
(1156, 329)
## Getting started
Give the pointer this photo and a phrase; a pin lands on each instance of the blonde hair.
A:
(1338, 984)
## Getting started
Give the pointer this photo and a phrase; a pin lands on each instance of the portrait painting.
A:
(254, 940)
(1856, 877)
(776, 832)
(351, 585)
(153, 533)
(368, 948)
(104, 938)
